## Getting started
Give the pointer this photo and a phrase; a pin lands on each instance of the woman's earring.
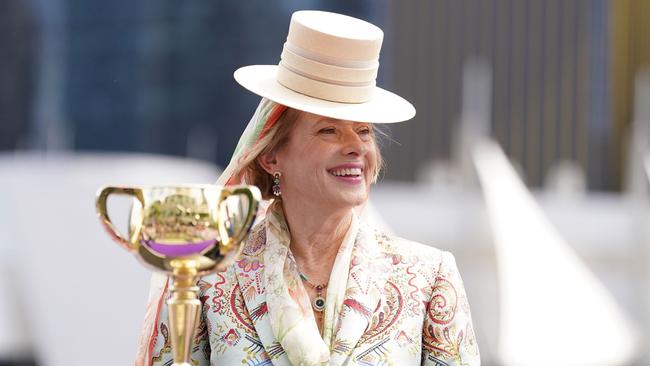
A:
(276, 184)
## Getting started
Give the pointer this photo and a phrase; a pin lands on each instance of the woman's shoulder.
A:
(393, 245)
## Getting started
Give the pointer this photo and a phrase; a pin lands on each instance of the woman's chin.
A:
(351, 199)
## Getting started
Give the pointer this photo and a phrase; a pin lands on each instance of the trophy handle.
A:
(253, 196)
(102, 196)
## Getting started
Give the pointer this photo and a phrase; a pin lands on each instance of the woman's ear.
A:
(268, 162)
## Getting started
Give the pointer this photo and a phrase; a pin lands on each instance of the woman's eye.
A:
(364, 133)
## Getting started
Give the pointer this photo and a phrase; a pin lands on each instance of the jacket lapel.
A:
(366, 280)
(250, 276)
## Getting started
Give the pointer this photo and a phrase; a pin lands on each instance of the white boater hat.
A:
(328, 67)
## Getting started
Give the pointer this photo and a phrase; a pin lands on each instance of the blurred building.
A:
(150, 76)
(156, 76)
(18, 30)
(562, 76)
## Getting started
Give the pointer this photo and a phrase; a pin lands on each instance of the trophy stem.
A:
(184, 309)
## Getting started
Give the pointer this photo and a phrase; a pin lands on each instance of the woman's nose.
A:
(353, 144)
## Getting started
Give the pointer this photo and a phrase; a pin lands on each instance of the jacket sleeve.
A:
(448, 335)
(155, 340)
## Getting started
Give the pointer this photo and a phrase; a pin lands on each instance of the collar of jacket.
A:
(366, 280)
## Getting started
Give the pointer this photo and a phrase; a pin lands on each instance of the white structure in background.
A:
(15, 344)
(474, 124)
(83, 297)
(553, 310)
(636, 182)
(474, 120)
(638, 179)
(639, 138)
(566, 178)
(647, 166)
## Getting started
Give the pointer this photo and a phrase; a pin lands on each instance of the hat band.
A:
(329, 60)
(326, 72)
(323, 89)
(319, 77)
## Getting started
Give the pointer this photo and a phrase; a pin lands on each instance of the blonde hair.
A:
(275, 138)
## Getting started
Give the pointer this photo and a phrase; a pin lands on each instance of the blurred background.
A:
(529, 159)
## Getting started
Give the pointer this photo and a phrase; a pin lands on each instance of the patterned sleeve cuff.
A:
(448, 335)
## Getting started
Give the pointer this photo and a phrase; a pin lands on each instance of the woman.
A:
(315, 284)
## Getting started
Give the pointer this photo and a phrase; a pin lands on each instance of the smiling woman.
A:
(312, 125)
(315, 284)
(325, 161)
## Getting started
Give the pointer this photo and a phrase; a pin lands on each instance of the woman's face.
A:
(327, 162)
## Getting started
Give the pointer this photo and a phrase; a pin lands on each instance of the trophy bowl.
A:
(186, 231)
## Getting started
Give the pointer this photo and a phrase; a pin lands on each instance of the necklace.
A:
(319, 301)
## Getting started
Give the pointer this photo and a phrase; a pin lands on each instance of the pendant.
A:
(319, 303)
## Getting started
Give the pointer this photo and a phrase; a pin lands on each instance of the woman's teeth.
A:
(346, 172)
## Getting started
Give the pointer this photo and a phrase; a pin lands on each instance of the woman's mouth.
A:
(352, 175)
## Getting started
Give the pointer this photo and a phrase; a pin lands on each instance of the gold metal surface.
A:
(187, 231)
(184, 308)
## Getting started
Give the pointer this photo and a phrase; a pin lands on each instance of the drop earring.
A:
(276, 184)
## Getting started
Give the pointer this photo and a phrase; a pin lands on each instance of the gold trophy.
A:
(187, 231)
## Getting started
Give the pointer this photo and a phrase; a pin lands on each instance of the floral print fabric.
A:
(397, 303)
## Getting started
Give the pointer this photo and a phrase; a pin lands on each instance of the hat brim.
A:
(384, 107)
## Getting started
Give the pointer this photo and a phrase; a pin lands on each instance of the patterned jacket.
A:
(420, 314)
